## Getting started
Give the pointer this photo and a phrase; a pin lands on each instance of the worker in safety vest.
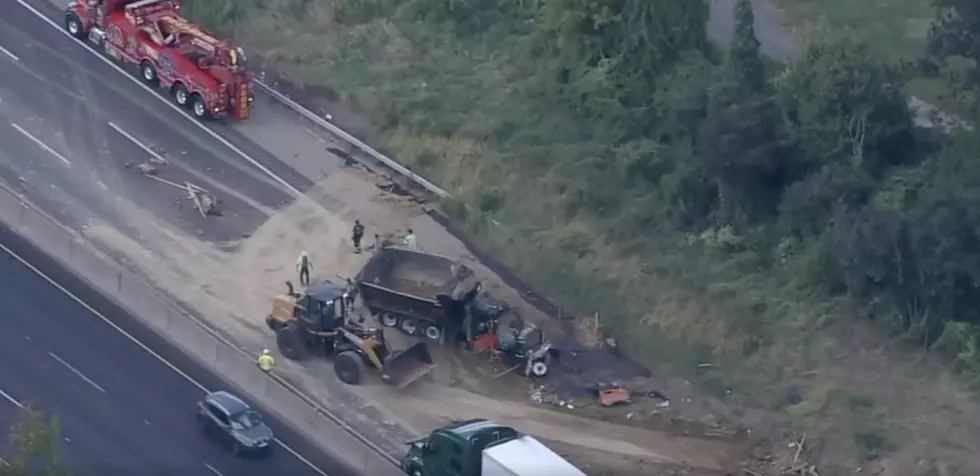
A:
(266, 361)
(411, 240)
(303, 267)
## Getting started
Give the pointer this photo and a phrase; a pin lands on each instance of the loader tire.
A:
(349, 367)
(291, 343)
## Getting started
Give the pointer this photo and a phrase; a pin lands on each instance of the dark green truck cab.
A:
(455, 450)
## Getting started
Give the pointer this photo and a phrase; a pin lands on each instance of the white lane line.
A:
(41, 143)
(76, 371)
(163, 99)
(136, 341)
(10, 399)
(139, 144)
(8, 54)
(215, 471)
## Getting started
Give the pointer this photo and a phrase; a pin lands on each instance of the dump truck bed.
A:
(412, 272)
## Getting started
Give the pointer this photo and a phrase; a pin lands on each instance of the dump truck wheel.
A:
(148, 73)
(409, 326)
(388, 319)
(74, 26)
(291, 343)
(539, 369)
(433, 333)
(349, 367)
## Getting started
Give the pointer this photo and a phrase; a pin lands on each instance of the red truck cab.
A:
(203, 74)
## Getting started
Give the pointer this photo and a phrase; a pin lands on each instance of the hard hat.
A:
(265, 351)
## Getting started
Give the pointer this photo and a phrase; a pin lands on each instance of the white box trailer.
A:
(525, 456)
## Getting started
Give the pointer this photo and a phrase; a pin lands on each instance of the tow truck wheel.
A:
(74, 26)
(180, 95)
(148, 73)
(198, 107)
(388, 319)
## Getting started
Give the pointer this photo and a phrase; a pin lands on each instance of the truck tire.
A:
(408, 326)
(388, 319)
(349, 367)
(198, 107)
(181, 96)
(432, 332)
(291, 343)
(148, 73)
(74, 26)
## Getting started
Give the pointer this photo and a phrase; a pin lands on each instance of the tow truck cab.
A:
(203, 74)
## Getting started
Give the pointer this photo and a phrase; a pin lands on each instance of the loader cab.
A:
(322, 307)
(455, 450)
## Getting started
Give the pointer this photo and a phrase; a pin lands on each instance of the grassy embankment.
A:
(479, 122)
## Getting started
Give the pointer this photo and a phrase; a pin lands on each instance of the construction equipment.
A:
(203, 74)
(524, 347)
(427, 295)
(479, 447)
(316, 322)
(204, 201)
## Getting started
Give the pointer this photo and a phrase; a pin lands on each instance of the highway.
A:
(74, 127)
(122, 409)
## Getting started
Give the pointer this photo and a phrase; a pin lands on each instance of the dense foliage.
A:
(715, 207)
(35, 443)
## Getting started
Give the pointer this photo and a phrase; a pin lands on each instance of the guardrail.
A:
(350, 139)
(195, 338)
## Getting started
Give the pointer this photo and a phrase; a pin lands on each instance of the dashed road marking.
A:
(136, 141)
(8, 54)
(41, 144)
(10, 399)
(76, 372)
(215, 471)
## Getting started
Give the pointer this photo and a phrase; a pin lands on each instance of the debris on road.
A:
(204, 201)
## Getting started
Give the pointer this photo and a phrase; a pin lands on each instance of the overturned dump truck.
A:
(316, 322)
(426, 295)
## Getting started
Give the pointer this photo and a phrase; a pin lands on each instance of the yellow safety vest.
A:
(266, 362)
(411, 241)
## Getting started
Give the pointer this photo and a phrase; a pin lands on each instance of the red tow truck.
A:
(203, 74)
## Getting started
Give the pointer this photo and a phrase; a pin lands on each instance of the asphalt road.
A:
(123, 411)
(73, 127)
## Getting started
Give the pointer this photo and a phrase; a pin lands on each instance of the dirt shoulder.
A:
(231, 286)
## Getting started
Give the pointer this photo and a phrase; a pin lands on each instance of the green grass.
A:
(480, 124)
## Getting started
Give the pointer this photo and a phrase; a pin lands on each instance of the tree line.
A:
(816, 164)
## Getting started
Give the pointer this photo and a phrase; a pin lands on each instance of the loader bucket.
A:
(403, 367)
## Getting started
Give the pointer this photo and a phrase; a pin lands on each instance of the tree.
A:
(36, 447)
(842, 103)
(955, 34)
(744, 62)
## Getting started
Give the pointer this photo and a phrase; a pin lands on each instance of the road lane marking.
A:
(41, 143)
(215, 471)
(76, 371)
(295, 191)
(8, 54)
(10, 399)
(139, 344)
(139, 144)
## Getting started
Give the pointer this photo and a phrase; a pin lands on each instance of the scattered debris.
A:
(204, 201)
